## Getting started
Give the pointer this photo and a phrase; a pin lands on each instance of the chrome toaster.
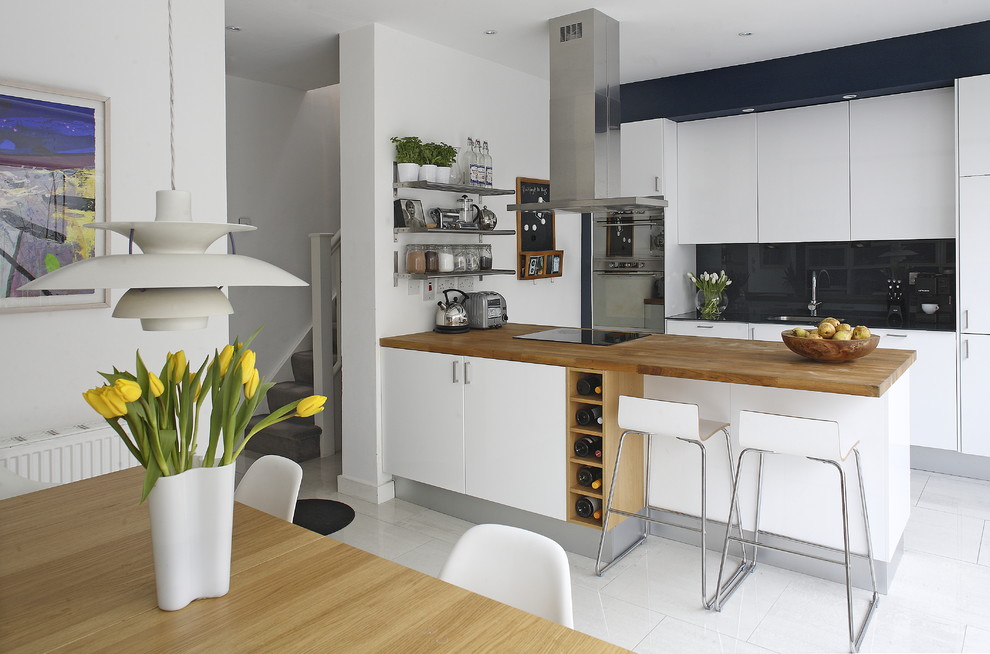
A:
(486, 309)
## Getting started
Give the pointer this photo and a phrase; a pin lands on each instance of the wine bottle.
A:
(589, 415)
(589, 507)
(589, 446)
(591, 385)
(588, 476)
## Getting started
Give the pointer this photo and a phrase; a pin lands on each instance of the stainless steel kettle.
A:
(452, 316)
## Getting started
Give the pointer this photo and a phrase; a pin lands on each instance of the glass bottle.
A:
(470, 164)
(478, 165)
(487, 158)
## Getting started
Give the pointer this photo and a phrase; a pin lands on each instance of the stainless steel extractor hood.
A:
(585, 119)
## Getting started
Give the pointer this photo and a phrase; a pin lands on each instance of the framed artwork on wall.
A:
(536, 235)
(53, 180)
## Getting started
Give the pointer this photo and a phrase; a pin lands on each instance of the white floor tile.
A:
(583, 569)
(984, 558)
(918, 480)
(944, 534)
(811, 616)
(436, 525)
(610, 619)
(959, 495)
(380, 538)
(668, 580)
(428, 558)
(977, 640)
(673, 636)
(951, 590)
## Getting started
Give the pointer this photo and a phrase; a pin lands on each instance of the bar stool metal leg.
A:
(599, 568)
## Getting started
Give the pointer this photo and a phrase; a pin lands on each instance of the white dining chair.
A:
(271, 485)
(515, 567)
(12, 484)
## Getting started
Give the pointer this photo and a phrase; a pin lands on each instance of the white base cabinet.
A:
(974, 378)
(491, 429)
(974, 233)
(710, 328)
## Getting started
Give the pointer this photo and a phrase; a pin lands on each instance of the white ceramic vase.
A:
(192, 518)
(408, 172)
(443, 174)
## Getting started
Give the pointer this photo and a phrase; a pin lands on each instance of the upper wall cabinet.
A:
(716, 183)
(804, 174)
(974, 125)
(902, 170)
(642, 158)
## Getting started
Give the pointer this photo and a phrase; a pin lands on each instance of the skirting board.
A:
(950, 463)
(366, 492)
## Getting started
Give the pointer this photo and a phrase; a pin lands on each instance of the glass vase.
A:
(710, 304)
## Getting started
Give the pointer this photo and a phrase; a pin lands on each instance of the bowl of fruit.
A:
(831, 340)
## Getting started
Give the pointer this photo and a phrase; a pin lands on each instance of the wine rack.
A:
(610, 386)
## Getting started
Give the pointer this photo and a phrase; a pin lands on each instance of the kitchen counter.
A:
(754, 363)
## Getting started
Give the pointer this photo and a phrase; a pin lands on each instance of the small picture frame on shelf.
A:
(538, 265)
(534, 266)
(409, 213)
(553, 267)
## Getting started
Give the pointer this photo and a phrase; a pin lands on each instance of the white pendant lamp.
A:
(174, 284)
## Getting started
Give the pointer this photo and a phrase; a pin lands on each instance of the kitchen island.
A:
(534, 386)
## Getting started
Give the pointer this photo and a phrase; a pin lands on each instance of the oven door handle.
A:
(639, 272)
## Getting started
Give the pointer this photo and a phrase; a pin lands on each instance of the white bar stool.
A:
(817, 440)
(665, 419)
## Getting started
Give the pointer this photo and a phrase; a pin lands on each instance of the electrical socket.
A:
(445, 283)
(466, 284)
(413, 287)
(429, 290)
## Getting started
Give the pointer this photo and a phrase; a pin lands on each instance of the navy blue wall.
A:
(907, 63)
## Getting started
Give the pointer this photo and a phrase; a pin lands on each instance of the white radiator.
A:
(68, 454)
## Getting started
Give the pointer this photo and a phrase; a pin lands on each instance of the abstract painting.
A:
(53, 172)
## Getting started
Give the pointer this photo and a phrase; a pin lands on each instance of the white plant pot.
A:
(443, 174)
(192, 518)
(408, 172)
(428, 173)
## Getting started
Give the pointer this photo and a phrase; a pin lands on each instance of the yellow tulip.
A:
(311, 405)
(129, 390)
(251, 385)
(223, 359)
(95, 399)
(247, 365)
(176, 364)
(155, 384)
(114, 405)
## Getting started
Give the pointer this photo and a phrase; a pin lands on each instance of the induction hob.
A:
(584, 336)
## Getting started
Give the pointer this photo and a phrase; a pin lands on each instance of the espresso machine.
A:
(932, 299)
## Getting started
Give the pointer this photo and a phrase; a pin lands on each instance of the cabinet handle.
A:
(897, 335)
(752, 333)
(467, 372)
(966, 319)
(656, 183)
(705, 326)
(966, 349)
(453, 368)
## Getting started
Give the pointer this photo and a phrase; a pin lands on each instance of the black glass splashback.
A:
(779, 275)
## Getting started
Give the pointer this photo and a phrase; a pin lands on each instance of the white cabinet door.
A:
(902, 166)
(974, 369)
(642, 157)
(423, 415)
(974, 234)
(514, 434)
(771, 332)
(707, 328)
(716, 180)
(974, 128)
(804, 174)
(933, 384)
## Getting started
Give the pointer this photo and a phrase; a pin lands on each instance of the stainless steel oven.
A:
(627, 272)
(627, 292)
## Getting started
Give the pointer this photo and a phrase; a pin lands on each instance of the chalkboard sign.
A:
(534, 229)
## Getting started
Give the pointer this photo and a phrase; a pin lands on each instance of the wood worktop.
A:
(755, 363)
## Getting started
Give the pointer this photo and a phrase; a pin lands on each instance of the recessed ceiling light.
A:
(233, 28)
(849, 96)
(745, 34)
(748, 110)
(491, 32)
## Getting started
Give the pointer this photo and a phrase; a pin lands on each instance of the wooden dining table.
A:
(76, 575)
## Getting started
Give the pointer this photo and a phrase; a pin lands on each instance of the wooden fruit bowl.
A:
(820, 349)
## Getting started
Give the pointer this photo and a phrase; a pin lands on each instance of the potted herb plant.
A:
(442, 156)
(408, 157)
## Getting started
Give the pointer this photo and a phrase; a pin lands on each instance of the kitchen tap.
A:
(814, 304)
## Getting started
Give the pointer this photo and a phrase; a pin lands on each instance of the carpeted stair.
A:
(297, 438)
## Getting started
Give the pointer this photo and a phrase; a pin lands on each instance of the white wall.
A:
(116, 48)
(393, 84)
(284, 175)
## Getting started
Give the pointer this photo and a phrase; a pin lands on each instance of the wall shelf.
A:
(453, 188)
(480, 233)
(465, 273)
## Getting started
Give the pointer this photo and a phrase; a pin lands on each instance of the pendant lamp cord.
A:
(171, 97)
